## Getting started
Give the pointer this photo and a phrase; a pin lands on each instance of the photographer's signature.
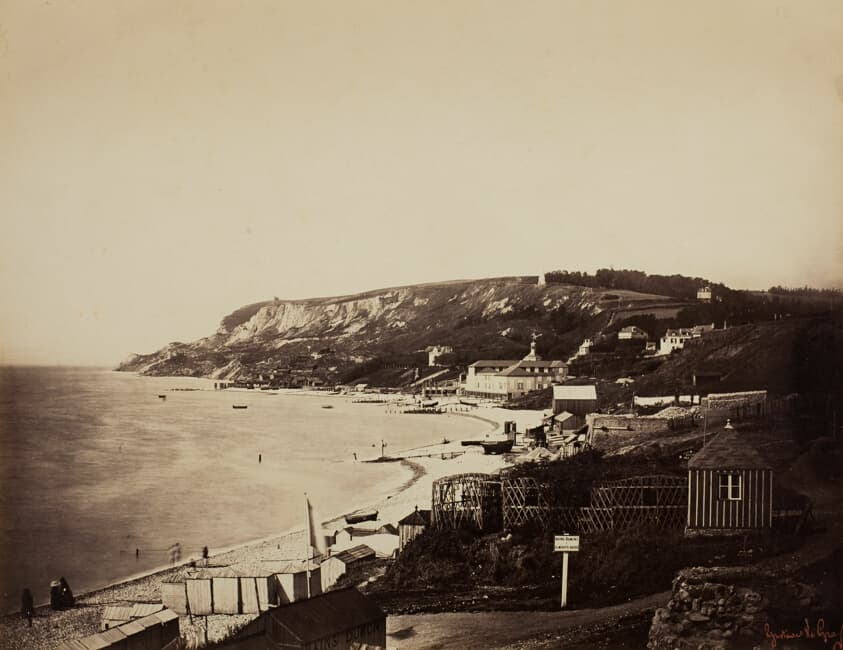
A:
(818, 631)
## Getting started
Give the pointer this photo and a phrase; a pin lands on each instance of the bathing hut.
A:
(467, 501)
(343, 618)
(116, 615)
(412, 526)
(730, 488)
(153, 632)
(291, 581)
(345, 562)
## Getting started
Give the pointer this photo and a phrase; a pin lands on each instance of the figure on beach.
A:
(55, 595)
(27, 606)
(66, 594)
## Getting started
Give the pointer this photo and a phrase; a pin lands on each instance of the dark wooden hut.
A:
(730, 488)
(412, 526)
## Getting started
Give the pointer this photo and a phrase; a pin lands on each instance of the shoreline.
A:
(53, 627)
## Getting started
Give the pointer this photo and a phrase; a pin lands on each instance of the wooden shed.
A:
(730, 488)
(344, 562)
(412, 526)
(578, 400)
(341, 619)
(152, 632)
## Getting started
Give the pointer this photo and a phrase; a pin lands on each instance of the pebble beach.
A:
(424, 465)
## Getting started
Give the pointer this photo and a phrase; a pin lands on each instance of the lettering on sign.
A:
(566, 543)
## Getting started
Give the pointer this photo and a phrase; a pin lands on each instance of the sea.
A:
(100, 477)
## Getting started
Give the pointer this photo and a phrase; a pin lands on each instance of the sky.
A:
(164, 162)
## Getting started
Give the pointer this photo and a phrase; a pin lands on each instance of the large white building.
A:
(506, 378)
(676, 339)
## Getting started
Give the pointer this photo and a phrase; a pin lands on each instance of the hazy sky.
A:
(164, 162)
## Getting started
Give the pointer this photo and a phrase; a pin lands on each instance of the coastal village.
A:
(690, 518)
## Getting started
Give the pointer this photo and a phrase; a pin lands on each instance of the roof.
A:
(355, 553)
(128, 612)
(417, 518)
(112, 635)
(575, 392)
(166, 615)
(493, 363)
(632, 329)
(117, 613)
(328, 614)
(564, 415)
(728, 450)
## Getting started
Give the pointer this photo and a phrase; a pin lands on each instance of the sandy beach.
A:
(425, 464)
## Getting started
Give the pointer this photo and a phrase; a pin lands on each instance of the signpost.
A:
(565, 544)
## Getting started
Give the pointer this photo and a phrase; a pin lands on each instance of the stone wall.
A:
(706, 611)
(624, 424)
(721, 607)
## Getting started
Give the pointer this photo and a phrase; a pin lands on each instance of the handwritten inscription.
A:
(819, 632)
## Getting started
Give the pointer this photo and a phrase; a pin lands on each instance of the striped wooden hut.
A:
(730, 488)
(412, 526)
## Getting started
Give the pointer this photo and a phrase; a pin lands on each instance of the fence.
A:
(467, 501)
(641, 501)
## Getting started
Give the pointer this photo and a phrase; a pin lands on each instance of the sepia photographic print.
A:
(468, 325)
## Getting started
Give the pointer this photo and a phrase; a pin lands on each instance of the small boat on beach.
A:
(239, 406)
(327, 406)
(162, 397)
(497, 446)
(361, 515)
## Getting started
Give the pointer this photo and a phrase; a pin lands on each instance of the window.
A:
(520, 385)
(730, 487)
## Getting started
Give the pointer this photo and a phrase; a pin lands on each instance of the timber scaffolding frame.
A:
(658, 501)
(467, 501)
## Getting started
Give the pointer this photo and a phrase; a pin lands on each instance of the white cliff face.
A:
(339, 318)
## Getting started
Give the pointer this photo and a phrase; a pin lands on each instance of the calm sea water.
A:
(93, 465)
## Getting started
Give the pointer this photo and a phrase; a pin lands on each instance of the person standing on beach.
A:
(27, 606)
(67, 599)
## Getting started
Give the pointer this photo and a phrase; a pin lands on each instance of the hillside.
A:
(336, 337)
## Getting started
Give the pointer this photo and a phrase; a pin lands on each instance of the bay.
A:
(99, 476)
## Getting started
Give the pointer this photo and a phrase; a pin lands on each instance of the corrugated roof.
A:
(131, 628)
(417, 518)
(331, 613)
(356, 553)
(166, 615)
(117, 612)
(575, 392)
(145, 609)
(112, 635)
(728, 450)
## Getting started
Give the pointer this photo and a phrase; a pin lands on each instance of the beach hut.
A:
(344, 618)
(730, 488)
(134, 636)
(579, 400)
(291, 581)
(345, 562)
(200, 595)
(174, 596)
(151, 632)
(116, 615)
(412, 526)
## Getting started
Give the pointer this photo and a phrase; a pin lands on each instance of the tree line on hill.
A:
(675, 286)
(806, 291)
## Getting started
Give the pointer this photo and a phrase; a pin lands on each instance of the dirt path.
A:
(479, 630)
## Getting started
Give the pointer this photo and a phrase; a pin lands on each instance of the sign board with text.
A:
(566, 543)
